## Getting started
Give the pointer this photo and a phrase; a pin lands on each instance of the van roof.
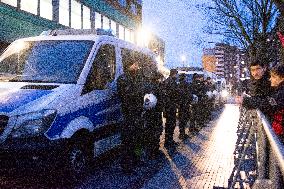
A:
(92, 37)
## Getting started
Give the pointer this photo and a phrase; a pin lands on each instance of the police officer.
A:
(185, 98)
(130, 91)
(199, 89)
(209, 98)
(170, 93)
(153, 116)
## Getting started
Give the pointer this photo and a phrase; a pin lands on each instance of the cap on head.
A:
(182, 76)
(173, 72)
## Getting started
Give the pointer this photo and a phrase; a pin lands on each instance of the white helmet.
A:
(215, 93)
(194, 99)
(209, 94)
(150, 101)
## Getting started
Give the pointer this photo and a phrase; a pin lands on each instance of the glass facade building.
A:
(24, 18)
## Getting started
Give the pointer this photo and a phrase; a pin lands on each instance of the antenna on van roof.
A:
(69, 32)
(78, 32)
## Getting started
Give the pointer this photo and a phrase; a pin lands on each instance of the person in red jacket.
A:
(276, 101)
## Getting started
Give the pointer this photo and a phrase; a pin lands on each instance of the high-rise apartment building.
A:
(231, 62)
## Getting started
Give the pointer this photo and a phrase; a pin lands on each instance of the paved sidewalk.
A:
(203, 161)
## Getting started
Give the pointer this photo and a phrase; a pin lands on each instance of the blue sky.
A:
(180, 24)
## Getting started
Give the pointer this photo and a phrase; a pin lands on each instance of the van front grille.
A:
(3, 122)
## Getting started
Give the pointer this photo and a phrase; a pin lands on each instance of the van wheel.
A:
(79, 157)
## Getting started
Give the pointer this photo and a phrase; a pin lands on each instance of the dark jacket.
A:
(199, 89)
(155, 88)
(170, 94)
(131, 92)
(185, 95)
(261, 87)
(274, 104)
(153, 117)
(258, 90)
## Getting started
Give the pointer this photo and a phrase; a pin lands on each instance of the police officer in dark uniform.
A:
(170, 93)
(130, 91)
(209, 98)
(185, 99)
(153, 121)
(199, 89)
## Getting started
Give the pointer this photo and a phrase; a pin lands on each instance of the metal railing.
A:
(270, 156)
(258, 144)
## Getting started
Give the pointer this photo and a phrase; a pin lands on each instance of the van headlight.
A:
(33, 124)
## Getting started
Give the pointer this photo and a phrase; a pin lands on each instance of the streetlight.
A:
(183, 58)
(143, 37)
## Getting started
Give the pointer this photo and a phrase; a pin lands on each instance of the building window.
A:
(133, 9)
(29, 6)
(105, 23)
(98, 20)
(10, 2)
(139, 2)
(121, 32)
(76, 15)
(86, 18)
(113, 26)
(132, 36)
(64, 12)
(123, 3)
(127, 35)
(46, 9)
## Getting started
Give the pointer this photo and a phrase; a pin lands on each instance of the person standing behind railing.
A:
(259, 87)
(274, 103)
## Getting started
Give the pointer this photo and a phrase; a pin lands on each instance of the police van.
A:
(58, 96)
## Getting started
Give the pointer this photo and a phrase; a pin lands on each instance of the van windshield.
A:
(44, 61)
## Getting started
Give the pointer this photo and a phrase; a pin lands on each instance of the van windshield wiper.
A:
(28, 80)
(17, 79)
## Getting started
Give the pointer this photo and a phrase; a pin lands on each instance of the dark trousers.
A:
(170, 125)
(130, 133)
(183, 119)
(198, 115)
(208, 108)
(152, 132)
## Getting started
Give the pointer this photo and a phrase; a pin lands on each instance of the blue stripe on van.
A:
(61, 122)
(14, 99)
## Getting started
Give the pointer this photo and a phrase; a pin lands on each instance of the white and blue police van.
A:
(58, 96)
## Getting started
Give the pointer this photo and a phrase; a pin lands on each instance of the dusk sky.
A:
(179, 23)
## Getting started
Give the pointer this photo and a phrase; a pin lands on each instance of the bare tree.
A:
(247, 23)
(280, 5)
